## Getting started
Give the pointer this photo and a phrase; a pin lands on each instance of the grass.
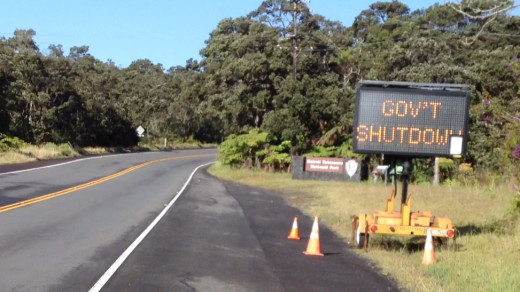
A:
(173, 144)
(487, 254)
(28, 152)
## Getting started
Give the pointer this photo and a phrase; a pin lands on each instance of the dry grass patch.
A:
(96, 150)
(27, 153)
(158, 144)
(15, 157)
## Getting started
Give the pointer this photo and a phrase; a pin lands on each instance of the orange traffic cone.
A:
(313, 248)
(429, 253)
(295, 234)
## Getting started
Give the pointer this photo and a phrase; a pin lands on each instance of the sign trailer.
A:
(404, 120)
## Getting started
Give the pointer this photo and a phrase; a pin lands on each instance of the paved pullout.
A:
(222, 236)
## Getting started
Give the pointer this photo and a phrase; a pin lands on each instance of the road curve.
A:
(218, 236)
(85, 230)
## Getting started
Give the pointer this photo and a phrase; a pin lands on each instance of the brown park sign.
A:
(328, 168)
(324, 164)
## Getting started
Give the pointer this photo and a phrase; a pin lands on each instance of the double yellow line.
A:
(89, 184)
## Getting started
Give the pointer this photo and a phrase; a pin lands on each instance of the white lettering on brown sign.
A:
(324, 164)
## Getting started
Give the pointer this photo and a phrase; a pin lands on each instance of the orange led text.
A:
(404, 135)
(403, 108)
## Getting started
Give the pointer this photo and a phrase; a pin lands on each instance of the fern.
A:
(277, 157)
(241, 150)
(10, 143)
(322, 151)
(254, 149)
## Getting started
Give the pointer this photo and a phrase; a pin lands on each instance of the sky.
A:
(166, 32)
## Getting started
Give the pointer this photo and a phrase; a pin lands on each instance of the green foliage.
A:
(241, 150)
(422, 171)
(254, 149)
(66, 150)
(276, 157)
(447, 170)
(499, 122)
(345, 150)
(10, 143)
(63, 150)
(515, 203)
(322, 151)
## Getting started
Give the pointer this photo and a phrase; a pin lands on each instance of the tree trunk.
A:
(31, 105)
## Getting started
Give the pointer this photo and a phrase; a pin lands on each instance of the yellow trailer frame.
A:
(399, 223)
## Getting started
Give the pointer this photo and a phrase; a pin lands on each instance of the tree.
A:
(29, 74)
(243, 65)
(385, 10)
(482, 13)
(7, 99)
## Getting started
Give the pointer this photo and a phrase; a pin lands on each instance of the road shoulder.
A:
(339, 270)
(224, 236)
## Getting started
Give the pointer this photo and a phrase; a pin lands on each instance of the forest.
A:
(280, 70)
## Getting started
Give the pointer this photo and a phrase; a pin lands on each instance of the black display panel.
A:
(411, 121)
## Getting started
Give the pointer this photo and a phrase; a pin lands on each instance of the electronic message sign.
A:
(411, 120)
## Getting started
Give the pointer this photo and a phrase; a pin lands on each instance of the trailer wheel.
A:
(361, 237)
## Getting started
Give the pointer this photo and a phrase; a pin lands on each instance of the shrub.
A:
(10, 143)
(277, 157)
(254, 149)
(241, 150)
(67, 150)
(343, 150)
(322, 151)
(447, 169)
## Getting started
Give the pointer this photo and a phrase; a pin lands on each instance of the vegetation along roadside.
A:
(14, 150)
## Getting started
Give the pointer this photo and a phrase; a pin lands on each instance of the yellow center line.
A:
(91, 183)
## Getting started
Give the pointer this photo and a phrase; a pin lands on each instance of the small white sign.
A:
(382, 168)
(140, 131)
(456, 145)
(351, 167)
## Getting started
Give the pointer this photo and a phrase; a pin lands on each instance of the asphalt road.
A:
(83, 231)
(218, 236)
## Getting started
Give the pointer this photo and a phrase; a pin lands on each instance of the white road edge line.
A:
(115, 266)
